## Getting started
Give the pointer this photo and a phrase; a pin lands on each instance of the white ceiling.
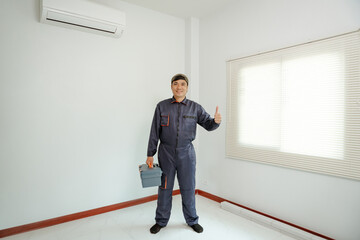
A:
(183, 8)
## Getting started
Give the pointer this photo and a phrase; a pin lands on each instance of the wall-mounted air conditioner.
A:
(83, 15)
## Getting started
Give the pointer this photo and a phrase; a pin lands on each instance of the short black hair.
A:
(180, 76)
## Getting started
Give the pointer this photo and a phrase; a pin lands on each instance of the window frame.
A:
(349, 167)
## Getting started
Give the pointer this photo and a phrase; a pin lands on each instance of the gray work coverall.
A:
(174, 123)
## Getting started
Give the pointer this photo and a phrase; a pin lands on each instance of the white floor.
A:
(135, 222)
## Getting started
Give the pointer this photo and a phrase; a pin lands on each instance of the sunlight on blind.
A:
(313, 110)
(259, 99)
(311, 94)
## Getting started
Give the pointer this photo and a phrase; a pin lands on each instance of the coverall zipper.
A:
(177, 132)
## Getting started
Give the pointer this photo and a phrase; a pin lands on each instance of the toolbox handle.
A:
(154, 165)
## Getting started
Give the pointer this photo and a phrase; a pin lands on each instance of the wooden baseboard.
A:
(219, 199)
(75, 216)
(71, 217)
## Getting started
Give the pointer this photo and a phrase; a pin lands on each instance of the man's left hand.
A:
(217, 116)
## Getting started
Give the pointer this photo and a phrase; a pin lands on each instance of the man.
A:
(174, 123)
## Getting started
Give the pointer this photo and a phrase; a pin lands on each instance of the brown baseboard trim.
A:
(219, 199)
(75, 216)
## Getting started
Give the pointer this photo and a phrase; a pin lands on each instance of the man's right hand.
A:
(150, 161)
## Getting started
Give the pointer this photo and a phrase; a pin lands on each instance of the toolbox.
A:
(150, 177)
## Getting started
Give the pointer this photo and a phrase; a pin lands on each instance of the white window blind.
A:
(298, 107)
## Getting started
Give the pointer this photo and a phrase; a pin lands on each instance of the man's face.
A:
(179, 88)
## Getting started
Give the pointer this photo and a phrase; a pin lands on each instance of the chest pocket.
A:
(190, 122)
(164, 120)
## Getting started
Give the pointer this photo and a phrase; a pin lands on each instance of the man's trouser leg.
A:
(186, 165)
(164, 202)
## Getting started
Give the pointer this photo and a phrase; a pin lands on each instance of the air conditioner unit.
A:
(83, 15)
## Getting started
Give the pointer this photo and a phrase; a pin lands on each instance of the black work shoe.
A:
(155, 229)
(197, 228)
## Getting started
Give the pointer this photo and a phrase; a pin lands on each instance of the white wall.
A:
(325, 204)
(76, 109)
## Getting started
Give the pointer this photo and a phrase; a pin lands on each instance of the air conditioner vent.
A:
(83, 15)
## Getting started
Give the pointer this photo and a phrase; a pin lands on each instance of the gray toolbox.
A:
(150, 177)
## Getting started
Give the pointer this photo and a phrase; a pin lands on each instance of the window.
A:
(298, 107)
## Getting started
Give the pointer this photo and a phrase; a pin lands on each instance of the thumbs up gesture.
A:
(217, 116)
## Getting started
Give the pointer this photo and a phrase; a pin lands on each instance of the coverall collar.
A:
(173, 100)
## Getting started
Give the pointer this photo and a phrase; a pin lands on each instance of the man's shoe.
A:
(197, 228)
(155, 229)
